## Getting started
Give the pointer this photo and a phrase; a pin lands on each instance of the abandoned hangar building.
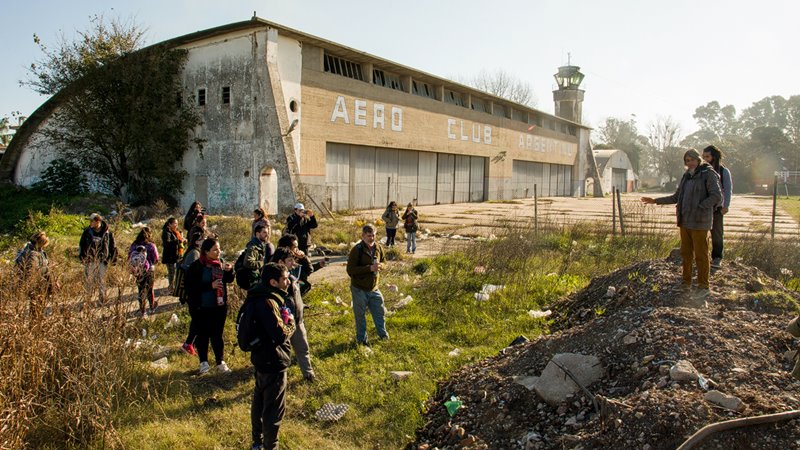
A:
(289, 116)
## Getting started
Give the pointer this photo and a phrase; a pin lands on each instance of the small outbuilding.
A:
(615, 170)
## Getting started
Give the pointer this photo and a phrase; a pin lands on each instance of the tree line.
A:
(758, 141)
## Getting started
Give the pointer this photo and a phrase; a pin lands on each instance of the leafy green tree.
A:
(5, 136)
(117, 117)
(623, 135)
(63, 176)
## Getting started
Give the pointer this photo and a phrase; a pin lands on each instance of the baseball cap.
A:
(299, 206)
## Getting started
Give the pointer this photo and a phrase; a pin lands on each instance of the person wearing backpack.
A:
(142, 259)
(34, 267)
(294, 300)
(173, 244)
(410, 217)
(257, 252)
(96, 250)
(271, 359)
(192, 255)
(207, 291)
(713, 156)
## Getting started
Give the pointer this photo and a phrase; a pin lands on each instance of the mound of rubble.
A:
(633, 362)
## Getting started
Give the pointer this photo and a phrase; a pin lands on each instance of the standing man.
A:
(258, 252)
(300, 223)
(294, 300)
(364, 264)
(97, 249)
(304, 267)
(271, 358)
(713, 156)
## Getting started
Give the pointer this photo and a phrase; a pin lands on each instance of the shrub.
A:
(63, 177)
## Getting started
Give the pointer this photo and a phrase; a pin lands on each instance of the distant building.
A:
(288, 116)
(615, 170)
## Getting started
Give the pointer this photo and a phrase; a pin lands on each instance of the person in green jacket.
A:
(364, 263)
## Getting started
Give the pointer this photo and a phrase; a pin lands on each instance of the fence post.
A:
(535, 210)
(774, 203)
(613, 211)
(619, 208)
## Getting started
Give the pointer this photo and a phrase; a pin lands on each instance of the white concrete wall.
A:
(290, 66)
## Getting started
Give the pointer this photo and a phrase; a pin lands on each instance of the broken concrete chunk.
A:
(630, 339)
(683, 371)
(528, 382)
(398, 375)
(554, 385)
(726, 401)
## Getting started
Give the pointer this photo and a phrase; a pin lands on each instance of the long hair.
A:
(715, 153)
(260, 213)
(169, 222)
(144, 237)
(208, 244)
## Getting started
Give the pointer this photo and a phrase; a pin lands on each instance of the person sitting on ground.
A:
(206, 286)
(300, 223)
(697, 196)
(304, 268)
(391, 218)
(271, 358)
(145, 269)
(294, 300)
(259, 218)
(173, 243)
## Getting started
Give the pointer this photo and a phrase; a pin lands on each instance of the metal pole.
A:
(774, 203)
(613, 211)
(388, 188)
(619, 208)
(535, 209)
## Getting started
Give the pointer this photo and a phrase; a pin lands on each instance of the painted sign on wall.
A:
(360, 115)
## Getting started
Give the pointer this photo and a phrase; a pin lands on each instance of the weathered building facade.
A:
(288, 116)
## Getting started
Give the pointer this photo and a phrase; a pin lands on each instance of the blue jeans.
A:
(411, 241)
(363, 300)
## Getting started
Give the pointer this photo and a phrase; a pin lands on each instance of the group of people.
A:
(702, 199)
(392, 217)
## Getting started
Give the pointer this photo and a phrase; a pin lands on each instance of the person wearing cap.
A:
(300, 223)
(697, 196)
(97, 250)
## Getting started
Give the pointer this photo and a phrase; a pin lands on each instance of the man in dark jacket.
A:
(364, 264)
(300, 223)
(257, 252)
(304, 267)
(697, 196)
(272, 358)
(97, 250)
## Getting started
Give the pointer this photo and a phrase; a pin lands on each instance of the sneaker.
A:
(716, 263)
(310, 377)
(684, 288)
(203, 368)
(153, 307)
(188, 349)
(223, 368)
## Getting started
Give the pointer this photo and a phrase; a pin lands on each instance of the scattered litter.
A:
(610, 292)
(398, 375)
(455, 352)
(161, 363)
(481, 297)
(479, 270)
(490, 288)
(337, 300)
(702, 382)
(367, 351)
(539, 314)
(453, 405)
(402, 303)
(325, 302)
(173, 321)
(144, 332)
(331, 412)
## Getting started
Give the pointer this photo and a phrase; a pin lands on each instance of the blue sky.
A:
(644, 58)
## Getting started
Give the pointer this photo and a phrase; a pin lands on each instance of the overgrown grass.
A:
(136, 406)
(791, 205)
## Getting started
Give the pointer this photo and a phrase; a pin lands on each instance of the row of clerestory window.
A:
(350, 69)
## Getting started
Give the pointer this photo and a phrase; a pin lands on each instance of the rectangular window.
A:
(387, 79)
(201, 97)
(454, 98)
(422, 89)
(343, 67)
(478, 105)
(226, 94)
(518, 115)
(499, 110)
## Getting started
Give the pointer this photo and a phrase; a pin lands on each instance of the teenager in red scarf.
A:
(206, 281)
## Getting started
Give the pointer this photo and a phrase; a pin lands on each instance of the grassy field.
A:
(791, 205)
(98, 389)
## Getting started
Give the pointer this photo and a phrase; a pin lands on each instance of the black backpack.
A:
(243, 274)
(249, 335)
